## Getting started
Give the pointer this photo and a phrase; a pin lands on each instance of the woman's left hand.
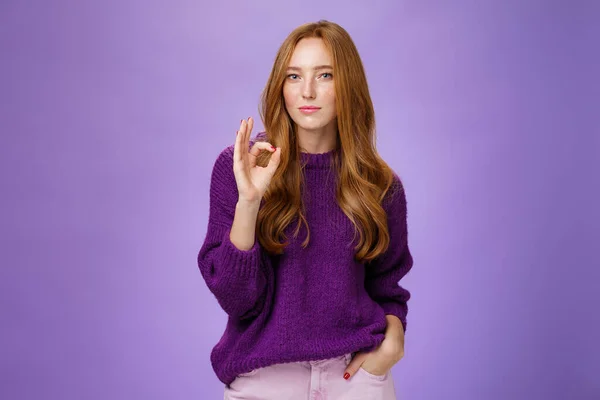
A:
(385, 356)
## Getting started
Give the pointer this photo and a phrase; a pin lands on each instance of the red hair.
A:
(364, 178)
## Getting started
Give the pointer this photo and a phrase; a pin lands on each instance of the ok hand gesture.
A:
(252, 180)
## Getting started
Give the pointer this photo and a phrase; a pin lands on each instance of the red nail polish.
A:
(273, 148)
(346, 376)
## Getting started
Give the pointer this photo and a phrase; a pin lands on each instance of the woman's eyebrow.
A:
(291, 68)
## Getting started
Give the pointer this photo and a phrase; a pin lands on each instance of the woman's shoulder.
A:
(395, 197)
(397, 184)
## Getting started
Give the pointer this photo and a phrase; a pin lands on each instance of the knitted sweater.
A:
(306, 304)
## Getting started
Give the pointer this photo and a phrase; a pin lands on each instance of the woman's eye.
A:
(324, 75)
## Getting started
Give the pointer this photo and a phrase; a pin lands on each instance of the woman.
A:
(307, 236)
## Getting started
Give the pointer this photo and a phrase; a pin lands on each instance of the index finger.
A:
(237, 153)
(249, 126)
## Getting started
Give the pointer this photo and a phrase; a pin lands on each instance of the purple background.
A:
(112, 114)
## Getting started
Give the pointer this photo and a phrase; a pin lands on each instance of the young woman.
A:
(307, 236)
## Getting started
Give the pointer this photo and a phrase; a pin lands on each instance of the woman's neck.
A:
(317, 142)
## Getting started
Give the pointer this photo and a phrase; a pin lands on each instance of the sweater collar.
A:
(318, 160)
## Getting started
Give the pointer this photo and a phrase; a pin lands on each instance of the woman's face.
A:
(309, 83)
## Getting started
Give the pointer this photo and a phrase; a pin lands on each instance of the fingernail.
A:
(346, 376)
(272, 148)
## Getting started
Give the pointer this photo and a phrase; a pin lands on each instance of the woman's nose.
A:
(308, 91)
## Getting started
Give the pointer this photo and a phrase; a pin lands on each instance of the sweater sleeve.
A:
(237, 278)
(383, 274)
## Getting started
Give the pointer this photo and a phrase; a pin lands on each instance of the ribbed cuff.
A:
(242, 264)
(397, 309)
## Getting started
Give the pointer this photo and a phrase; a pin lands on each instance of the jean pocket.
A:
(246, 374)
(373, 376)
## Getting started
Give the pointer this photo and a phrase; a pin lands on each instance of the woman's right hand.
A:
(252, 180)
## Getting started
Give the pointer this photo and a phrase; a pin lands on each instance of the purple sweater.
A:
(306, 304)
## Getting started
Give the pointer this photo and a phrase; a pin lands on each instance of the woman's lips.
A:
(309, 110)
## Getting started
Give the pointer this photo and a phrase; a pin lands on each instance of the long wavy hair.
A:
(364, 177)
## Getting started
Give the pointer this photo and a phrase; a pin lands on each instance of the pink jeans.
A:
(311, 380)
